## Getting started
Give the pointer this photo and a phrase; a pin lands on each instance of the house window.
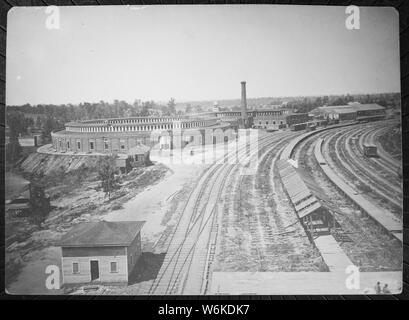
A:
(75, 267)
(122, 143)
(79, 145)
(91, 145)
(114, 267)
(106, 145)
(68, 144)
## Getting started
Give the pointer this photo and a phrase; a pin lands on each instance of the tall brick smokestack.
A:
(244, 119)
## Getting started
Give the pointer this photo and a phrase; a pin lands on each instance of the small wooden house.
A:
(101, 252)
(135, 157)
(139, 155)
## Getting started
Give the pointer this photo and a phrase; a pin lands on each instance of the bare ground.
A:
(370, 248)
(75, 198)
(259, 229)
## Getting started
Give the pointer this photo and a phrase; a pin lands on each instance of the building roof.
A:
(369, 106)
(335, 109)
(343, 110)
(139, 149)
(350, 108)
(312, 185)
(102, 234)
(303, 191)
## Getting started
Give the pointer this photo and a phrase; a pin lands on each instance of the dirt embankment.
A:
(46, 164)
(76, 196)
(391, 142)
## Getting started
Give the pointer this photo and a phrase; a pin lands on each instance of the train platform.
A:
(334, 257)
(302, 283)
(383, 217)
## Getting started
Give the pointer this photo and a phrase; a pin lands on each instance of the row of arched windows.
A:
(126, 128)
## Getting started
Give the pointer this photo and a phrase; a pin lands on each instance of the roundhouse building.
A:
(121, 134)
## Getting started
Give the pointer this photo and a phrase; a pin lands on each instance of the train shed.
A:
(351, 112)
(309, 200)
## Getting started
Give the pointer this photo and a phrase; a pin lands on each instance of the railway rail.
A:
(261, 232)
(383, 162)
(368, 248)
(195, 240)
(342, 158)
(384, 218)
(385, 159)
(183, 270)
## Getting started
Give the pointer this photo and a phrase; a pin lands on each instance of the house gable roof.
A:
(102, 234)
(139, 149)
(349, 108)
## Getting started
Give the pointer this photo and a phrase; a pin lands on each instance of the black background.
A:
(155, 301)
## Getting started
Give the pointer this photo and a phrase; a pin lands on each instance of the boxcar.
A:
(370, 150)
(298, 126)
(311, 127)
(271, 129)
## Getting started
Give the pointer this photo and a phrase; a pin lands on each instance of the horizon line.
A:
(202, 100)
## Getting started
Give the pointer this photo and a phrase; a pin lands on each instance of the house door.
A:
(94, 270)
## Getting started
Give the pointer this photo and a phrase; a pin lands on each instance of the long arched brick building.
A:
(121, 134)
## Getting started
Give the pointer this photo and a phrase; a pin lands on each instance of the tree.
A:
(171, 106)
(13, 150)
(145, 110)
(40, 204)
(198, 109)
(15, 123)
(106, 173)
(48, 127)
(38, 123)
(188, 108)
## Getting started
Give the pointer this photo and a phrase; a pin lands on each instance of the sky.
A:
(198, 53)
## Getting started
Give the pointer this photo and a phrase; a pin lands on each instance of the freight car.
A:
(370, 118)
(370, 150)
(298, 126)
(321, 123)
(311, 126)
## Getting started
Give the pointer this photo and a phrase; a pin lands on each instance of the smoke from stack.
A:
(243, 104)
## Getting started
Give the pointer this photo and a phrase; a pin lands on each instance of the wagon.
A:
(370, 150)
(298, 126)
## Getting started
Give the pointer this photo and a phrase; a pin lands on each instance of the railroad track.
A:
(260, 225)
(385, 159)
(276, 240)
(368, 167)
(385, 167)
(183, 236)
(367, 248)
(382, 162)
(386, 219)
(187, 250)
(164, 237)
(345, 162)
(396, 157)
